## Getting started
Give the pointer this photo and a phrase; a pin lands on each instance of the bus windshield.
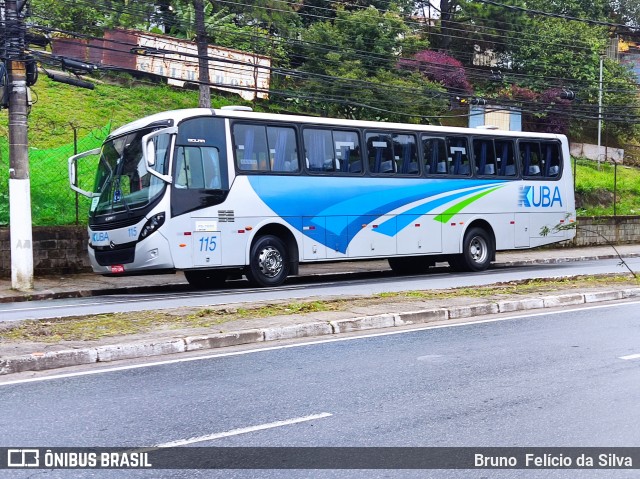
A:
(122, 181)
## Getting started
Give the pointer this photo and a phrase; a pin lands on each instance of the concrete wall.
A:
(56, 250)
(591, 152)
(63, 249)
(601, 230)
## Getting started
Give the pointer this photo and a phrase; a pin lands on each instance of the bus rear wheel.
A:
(477, 251)
(269, 262)
(206, 279)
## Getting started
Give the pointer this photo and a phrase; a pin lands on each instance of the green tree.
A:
(627, 12)
(92, 18)
(351, 66)
(185, 25)
(566, 50)
(587, 9)
(275, 16)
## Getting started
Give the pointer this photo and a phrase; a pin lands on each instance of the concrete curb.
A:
(565, 259)
(181, 286)
(159, 347)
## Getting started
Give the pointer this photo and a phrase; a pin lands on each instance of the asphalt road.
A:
(569, 378)
(363, 284)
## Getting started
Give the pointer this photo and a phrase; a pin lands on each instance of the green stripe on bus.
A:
(445, 216)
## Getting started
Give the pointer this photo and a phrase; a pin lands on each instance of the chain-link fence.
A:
(52, 201)
(607, 188)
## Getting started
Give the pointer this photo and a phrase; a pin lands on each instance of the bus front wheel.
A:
(269, 262)
(477, 251)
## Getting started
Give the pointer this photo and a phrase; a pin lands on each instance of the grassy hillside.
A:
(61, 109)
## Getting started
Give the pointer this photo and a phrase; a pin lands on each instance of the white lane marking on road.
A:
(630, 356)
(308, 343)
(244, 430)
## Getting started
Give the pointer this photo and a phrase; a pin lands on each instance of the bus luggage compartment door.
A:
(422, 235)
(522, 236)
(371, 235)
(206, 248)
(314, 231)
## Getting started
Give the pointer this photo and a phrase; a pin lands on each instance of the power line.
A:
(478, 74)
(556, 15)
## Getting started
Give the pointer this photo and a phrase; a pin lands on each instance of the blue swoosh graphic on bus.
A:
(406, 218)
(332, 198)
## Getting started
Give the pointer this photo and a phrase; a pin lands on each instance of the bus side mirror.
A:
(149, 151)
(73, 171)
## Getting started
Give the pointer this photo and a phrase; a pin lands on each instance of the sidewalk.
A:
(81, 285)
(359, 315)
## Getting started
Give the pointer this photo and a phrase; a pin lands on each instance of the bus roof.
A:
(237, 114)
(179, 115)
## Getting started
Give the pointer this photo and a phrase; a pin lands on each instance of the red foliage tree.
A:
(441, 68)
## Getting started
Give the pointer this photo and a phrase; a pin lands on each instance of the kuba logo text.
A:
(539, 196)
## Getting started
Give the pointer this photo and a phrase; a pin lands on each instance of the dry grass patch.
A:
(88, 328)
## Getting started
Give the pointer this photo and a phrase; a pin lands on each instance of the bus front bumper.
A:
(151, 254)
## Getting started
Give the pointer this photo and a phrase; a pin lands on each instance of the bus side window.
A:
(181, 169)
(380, 153)
(347, 151)
(505, 161)
(406, 154)
(551, 159)
(283, 153)
(435, 156)
(318, 149)
(211, 168)
(485, 157)
(458, 148)
(531, 158)
(189, 168)
(250, 142)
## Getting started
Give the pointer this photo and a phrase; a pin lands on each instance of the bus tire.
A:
(269, 262)
(477, 251)
(206, 279)
(410, 264)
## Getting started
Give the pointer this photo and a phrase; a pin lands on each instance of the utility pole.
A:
(19, 182)
(204, 99)
(600, 112)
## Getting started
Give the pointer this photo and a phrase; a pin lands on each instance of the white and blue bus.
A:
(217, 192)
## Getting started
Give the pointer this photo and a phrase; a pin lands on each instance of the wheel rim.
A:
(478, 249)
(270, 262)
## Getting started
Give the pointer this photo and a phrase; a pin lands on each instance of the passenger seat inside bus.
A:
(489, 169)
(387, 166)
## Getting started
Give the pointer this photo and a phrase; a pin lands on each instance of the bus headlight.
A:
(155, 222)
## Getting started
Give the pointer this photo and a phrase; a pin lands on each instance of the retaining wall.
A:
(56, 250)
(63, 249)
(601, 230)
